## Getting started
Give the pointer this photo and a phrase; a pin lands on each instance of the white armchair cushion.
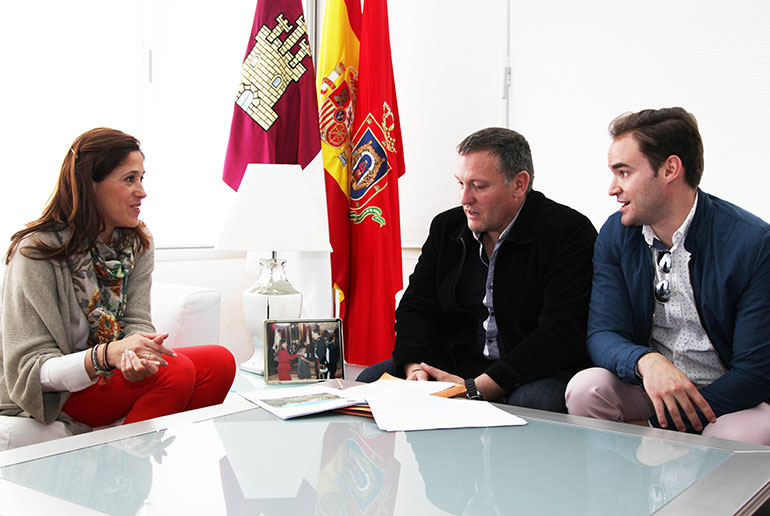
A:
(21, 431)
(188, 313)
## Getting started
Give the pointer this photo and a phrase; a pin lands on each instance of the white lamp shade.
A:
(273, 211)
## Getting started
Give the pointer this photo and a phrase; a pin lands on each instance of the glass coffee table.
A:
(238, 459)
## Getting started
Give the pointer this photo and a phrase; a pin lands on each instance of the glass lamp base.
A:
(271, 297)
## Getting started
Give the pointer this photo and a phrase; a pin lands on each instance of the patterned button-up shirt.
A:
(677, 331)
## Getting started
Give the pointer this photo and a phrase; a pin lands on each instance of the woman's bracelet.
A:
(94, 359)
(107, 362)
(102, 371)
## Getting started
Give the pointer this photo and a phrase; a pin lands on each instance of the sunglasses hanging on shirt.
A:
(663, 287)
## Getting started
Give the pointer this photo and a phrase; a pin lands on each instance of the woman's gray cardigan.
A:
(40, 317)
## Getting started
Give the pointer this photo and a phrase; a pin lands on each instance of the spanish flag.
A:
(337, 88)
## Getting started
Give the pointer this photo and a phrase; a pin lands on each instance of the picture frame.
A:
(303, 350)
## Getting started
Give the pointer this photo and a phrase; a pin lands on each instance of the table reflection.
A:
(114, 478)
(251, 463)
(497, 471)
(642, 472)
(355, 474)
(540, 469)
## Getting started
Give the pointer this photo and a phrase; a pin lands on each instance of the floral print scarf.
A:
(99, 277)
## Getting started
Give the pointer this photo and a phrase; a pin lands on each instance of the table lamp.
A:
(273, 211)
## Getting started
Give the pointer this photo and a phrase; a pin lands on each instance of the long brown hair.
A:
(91, 158)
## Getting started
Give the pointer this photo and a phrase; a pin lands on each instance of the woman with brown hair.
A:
(77, 343)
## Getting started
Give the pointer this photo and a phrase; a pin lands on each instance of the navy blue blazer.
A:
(730, 275)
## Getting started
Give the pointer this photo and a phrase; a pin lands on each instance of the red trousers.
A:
(199, 376)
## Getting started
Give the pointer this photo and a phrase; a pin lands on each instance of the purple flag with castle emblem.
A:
(275, 117)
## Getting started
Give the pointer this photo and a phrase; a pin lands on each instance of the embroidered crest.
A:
(271, 67)
(369, 166)
(338, 99)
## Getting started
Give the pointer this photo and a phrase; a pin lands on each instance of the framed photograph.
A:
(303, 350)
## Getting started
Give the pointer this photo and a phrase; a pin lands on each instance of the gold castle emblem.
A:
(271, 67)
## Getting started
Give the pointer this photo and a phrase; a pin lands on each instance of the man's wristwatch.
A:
(471, 391)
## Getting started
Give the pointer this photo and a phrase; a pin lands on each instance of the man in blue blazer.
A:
(679, 318)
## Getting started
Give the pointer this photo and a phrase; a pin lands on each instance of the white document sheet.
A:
(398, 411)
(362, 392)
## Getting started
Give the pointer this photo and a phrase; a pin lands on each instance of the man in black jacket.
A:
(499, 297)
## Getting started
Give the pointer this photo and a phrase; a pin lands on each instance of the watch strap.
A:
(471, 392)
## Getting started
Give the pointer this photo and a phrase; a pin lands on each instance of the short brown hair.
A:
(661, 133)
(90, 158)
(510, 148)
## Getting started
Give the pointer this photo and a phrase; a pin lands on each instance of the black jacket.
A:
(542, 287)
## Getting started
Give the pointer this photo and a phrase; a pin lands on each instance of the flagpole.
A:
(507, 69)
(312, 28)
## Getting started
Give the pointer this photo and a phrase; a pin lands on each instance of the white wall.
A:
(448, 61)
(164, 71)
(577, 65)
(59, 80)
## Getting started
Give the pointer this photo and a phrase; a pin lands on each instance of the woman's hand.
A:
(135, 369)
(148, 346)
(139, 356)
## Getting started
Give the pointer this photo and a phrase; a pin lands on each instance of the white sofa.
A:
(190, 315)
